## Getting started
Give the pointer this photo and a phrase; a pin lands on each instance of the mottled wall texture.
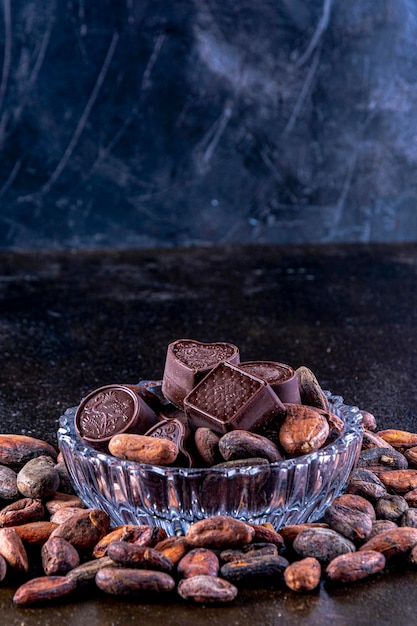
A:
(138, 123)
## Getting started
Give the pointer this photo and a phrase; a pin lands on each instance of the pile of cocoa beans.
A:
(52, 545)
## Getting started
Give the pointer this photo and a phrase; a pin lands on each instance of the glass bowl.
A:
(287, 492)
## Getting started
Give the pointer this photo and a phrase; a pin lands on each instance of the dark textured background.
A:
(147, 122)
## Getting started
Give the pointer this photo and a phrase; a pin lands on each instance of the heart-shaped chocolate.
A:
(199, 356)
(188, 361)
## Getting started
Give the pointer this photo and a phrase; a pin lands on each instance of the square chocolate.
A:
(229, 398)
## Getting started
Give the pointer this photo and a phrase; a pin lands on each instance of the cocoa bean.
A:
(367, 490)
(387, 458)
(58, 557)
(356, 502)
(348, 568)
(254, 569)
(303, 430)
(61, 500)
(173, 547)
(43, 589)
(143, 535)
(35, 533)
(8, 483)
(398, 438)
(220, 532)
(409, 518)
(249, 551)
(368, 420)
(199, 561)
(126, 581)
(351, 523)
(336, 424)
(290, 532)
(144, 557)
(143, 449)
(380, 526)
(392, 543)
(207, 590)
(38, 478)
(303, 575)
(365, 483)
(400, 481)
(372, 440)
(16, 450)
(207, 444)
(411, 456)
(265, 534)
(324, 544)
(22, 511)
(242, 444)
(86, 572)
(83, 530)
(311, 392)
(391, 507)
(63, 514)
(13, 550)
(411, 497)
(150, 536)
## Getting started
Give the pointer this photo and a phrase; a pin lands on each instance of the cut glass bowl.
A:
(293, 491)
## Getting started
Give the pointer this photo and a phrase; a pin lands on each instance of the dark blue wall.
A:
(144, 122)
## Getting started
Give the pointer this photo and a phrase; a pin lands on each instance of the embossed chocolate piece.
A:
(280, 376)
(179, 433)
(229, 398)
(188, 361)
(111, 410)
(151, 392)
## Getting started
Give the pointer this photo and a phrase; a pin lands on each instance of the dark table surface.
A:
(71, 321)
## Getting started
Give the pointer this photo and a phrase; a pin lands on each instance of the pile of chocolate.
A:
(210, 409)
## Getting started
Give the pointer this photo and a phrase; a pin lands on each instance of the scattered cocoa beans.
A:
(254, 568)
(348, 568)
(12, 550)
(393, 543)
(207, 589)
(398, 438)
(38, 478)
(132, 555)
(126, 581)
(303, 575)
(371, 523)
(324, 544)
(219, 532)
(58, 556)
(16, 450)
(43, 589)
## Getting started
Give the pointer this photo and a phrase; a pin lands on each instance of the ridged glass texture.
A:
(287, 492)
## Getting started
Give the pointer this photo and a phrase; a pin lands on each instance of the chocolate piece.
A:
(229, 398)
(179, 432)
(111, 410)
(188, 361)
(151, 392)
(280, 376)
